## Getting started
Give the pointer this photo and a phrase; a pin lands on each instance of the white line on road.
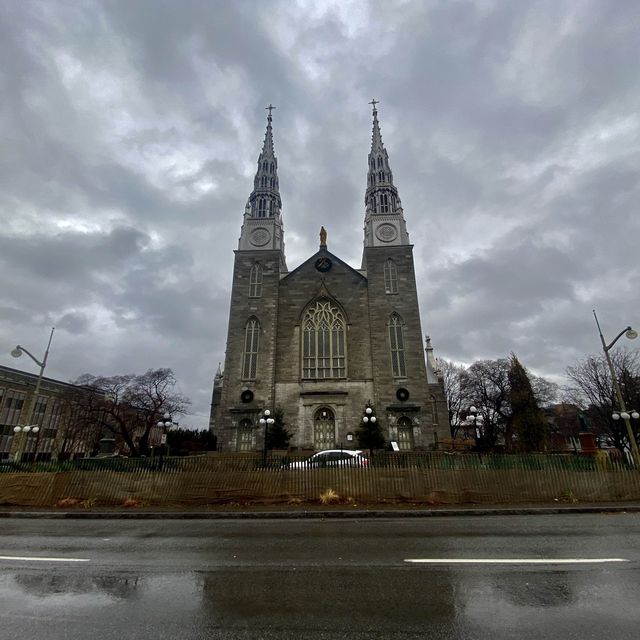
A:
(37, 559)
(513, 560)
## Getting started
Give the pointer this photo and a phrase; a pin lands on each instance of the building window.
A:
(323, 349)
(384, 201)
(255, 281)
(12, 407)
(245, 435)
(250, 358)
(396, 341)
(390, 277)
(39, 410)
(262, 208)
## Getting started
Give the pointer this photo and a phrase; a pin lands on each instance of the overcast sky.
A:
(129, 134)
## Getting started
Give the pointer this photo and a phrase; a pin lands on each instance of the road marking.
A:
(513, 560)
(36, 559)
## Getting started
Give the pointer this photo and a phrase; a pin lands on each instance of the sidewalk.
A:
(222, 512)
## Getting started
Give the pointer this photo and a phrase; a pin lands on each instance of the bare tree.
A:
(485, 384)
(129, 406)
(457, 402)
(591, 388)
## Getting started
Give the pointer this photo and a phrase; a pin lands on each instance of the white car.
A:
(331, 458)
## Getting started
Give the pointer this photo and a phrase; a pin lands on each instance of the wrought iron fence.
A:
(420, 477)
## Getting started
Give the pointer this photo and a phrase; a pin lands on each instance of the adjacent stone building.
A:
(324, 340)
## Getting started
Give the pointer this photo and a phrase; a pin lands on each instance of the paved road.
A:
(321, 579)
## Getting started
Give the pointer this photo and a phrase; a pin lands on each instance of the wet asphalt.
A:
(321, 579)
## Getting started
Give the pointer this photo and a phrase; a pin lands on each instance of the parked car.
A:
(331, 458)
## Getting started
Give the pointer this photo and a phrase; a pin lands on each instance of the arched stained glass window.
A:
(396, 342)
(390, 277)
(255, 281)
(324, 343)
(251, 342)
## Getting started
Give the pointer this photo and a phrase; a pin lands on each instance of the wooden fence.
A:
(426, 478)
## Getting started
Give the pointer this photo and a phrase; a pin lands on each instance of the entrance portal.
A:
(324, 429)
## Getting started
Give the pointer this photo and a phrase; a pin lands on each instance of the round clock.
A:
(386, 232)
(323, 264)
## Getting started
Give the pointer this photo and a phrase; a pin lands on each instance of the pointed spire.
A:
(262, 228)
(264, 200)
(433, 369)
(381, 195)
(376, 137)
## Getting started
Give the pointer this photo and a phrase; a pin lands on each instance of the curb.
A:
(293, 515)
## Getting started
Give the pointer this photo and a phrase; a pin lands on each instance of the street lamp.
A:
(265, 420)
(16, 353)
(630, 334)
(164, 425)
(27, 429)
(475, 420)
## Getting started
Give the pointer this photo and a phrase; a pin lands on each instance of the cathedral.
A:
(324, 341)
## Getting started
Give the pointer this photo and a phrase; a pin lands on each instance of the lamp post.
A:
(27, 429)
(16, 353)
(475, 420)
(630, 334)
(164, 425)
(369, 418)
(265, 420)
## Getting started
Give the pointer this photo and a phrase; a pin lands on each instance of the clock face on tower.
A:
(323, 264)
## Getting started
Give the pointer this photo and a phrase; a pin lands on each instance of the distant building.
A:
(50, 412)
(323, 340)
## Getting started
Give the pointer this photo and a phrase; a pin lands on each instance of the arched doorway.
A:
(245, 435)
(324, 429)
(405, 434)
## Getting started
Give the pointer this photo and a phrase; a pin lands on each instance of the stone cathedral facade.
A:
(324, 339)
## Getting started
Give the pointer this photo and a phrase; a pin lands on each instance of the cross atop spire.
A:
(269, 109)
(374, 102)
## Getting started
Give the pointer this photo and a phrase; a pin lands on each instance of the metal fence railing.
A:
(421, 477)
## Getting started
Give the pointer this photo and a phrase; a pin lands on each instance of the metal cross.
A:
(269, 109)
(374, 102)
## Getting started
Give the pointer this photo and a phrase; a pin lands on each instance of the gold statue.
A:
(323, 237)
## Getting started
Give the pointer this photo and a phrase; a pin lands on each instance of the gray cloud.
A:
(129, 134)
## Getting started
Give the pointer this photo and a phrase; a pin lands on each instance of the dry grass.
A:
(329, 497)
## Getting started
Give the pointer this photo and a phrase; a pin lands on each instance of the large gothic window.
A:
(323, 348)
(396, 342)
(390, 277)
(250, 357)
(255, 281)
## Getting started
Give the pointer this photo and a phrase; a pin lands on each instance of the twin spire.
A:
(381, 195)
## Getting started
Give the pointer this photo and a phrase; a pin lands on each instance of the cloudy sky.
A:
(129, 134)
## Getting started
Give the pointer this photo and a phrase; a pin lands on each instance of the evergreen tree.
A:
(369, 433)
(277, 436)
(527, 420)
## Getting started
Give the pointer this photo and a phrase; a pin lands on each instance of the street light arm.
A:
(24, 350)
(607, 347)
